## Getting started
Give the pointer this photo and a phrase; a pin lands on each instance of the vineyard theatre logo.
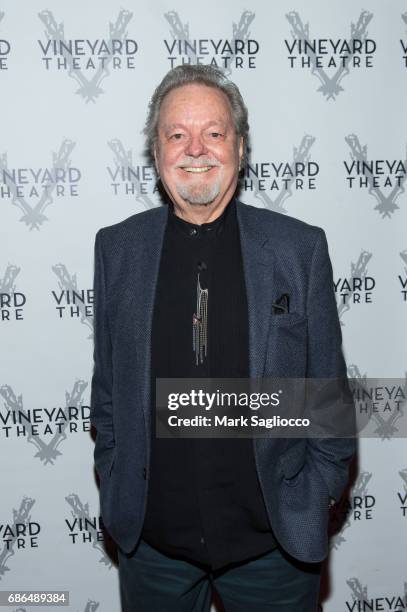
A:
(375, 176)
(357, 288)
(330, 60)
(85, 529)
(360, 506)
(383, 403)
(360, 601)
(37, 425)
(20, 534)
(402, 495)
(91, 606)
(129, 179)
(282, 178)
(32, 190)
(403, 43)
(70, 301)
(5, 48)
(12, 302)
(94, 58)
(403, 279)
(238, 52)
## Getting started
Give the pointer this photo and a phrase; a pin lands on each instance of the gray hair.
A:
(204, 75)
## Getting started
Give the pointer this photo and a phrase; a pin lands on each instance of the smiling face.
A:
(198, 152)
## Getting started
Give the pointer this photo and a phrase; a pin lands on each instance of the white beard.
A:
(199, 193)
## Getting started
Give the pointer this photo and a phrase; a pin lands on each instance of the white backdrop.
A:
(71, 161)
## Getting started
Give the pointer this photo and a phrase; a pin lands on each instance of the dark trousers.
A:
(151, 581)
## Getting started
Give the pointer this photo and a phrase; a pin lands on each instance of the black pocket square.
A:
(282, 305)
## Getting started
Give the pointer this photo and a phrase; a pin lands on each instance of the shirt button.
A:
(193, 231)
(202, 540)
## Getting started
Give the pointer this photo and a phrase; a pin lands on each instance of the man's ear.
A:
(155, 154)
(241, 151)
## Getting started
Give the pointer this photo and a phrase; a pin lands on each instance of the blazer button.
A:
(144, 473)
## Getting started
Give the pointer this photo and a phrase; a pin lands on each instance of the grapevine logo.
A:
(359, 506)
(82, 56)
(71, 302)
(32, 190)
(330, 60)
(357, 288)
(403, 279)
(273, 182)
(360, 601)
(130, 179)
(402, 495)
(5, 48)
(82, 528)
(380, 404)
(38, 425)
(90, 606)
(403, 43)
(238, 52)
(12, 302)
(382, 178)
(19, 534)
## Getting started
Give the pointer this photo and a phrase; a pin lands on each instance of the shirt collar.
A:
(193, 230)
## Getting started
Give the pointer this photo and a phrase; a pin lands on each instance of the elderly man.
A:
(192, 289)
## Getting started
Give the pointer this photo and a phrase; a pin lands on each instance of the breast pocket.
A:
(287, 346)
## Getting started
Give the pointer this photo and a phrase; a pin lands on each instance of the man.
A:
(192, 289)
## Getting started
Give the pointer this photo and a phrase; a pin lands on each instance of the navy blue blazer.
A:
(280, 255)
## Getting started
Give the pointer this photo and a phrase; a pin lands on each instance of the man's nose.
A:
(196, 146)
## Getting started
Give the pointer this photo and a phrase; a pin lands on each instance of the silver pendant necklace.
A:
(200, 324)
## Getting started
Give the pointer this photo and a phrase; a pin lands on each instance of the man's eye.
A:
(177, 136)
(215, 134)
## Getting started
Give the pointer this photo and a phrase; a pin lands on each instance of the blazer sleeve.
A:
(331, 456)
(101, 407)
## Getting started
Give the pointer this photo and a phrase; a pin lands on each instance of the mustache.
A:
(198, 163)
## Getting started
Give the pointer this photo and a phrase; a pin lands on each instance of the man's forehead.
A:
(205, 123)
(199, 97)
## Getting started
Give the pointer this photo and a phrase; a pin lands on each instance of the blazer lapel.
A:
(258, 273)
(258, 267)
(148, 265)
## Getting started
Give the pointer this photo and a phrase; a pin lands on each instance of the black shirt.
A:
(204, 501)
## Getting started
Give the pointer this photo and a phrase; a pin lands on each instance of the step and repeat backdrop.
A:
(326, 85)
